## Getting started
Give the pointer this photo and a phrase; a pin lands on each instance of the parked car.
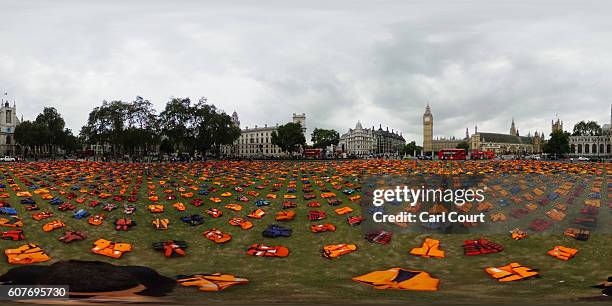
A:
(7, 159)
(580, 158)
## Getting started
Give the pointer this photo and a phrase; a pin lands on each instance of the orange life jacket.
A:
(285, 215)
(429, 248)
(217, 236)
(257, 214)
(26, 254)
(563, 253)
(318, 228)
(401, 279)
(156, 208)
(41, 215)
(53, 225)
(160, 224)
(267, 251)
(96, 220)
(110, 249)
(344, 210)
(234, 207)
(244, 224)
(511, 272)
(211, 282)
(215, 213)
(337, 250)
(179, 206)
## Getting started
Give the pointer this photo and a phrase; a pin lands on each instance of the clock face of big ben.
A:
(426, 119)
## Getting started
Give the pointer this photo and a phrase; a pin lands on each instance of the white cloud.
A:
(475, 62)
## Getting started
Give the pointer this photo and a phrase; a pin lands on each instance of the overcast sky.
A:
(380, 62)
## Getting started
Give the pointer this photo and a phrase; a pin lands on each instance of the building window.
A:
(9, 116)
(601, 148)
(594, 148)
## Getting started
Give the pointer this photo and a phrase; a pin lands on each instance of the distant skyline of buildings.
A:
(438, 140)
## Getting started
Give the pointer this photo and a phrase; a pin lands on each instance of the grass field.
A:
(304, 276)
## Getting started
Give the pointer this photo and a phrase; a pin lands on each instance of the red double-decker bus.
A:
(476, 154)
(312, 153)
(452, 154)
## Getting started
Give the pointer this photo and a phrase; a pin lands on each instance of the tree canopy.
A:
(463, 145)
(289, 137)
(323, 138)
(182, 126)
(410, 148)
(47, 130)
(558, 143)
(590, 128)
(124, 125)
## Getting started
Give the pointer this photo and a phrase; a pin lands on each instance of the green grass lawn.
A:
(306, 277)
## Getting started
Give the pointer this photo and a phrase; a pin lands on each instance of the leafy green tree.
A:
(463, 145)
(212, 127)
(52, 124)
(106, 123)
(590, 128)
(558, 143)
(47, 130)
(29, 134)
(176, 122)
(289, 137)
(70, 142)
(186, 127)
(410, 148)
(124, 125)
(142, 128)
(323, 138)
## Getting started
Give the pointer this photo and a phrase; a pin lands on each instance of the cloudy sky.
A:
(380, 62)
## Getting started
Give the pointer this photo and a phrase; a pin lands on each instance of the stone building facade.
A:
(511, 143)
(8, 122)
(593, 146)
(364, 142)
(445, 143)
(257, 141)
(357, 141)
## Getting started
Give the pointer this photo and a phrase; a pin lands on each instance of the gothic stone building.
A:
(8, 122)
(434, 145)
(511, 143)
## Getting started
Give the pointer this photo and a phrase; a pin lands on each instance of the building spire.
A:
(513, 130)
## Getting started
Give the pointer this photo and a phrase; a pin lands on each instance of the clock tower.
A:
(427, 130)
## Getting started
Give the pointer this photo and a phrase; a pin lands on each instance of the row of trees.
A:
(590, 128)
(182, 126)
(133, 128)
(45, 135)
